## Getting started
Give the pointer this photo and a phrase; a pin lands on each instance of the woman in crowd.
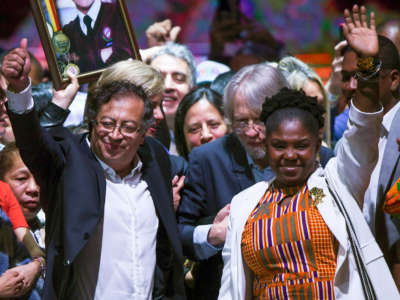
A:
(302, 235)
(301, 77)
(14, 172)
(199, 120)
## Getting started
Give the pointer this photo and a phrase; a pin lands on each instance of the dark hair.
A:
(101, 95)
(290, 104)
(388, 54)
(2, 93)
(7, 159)
(187, 102)
(221, 81)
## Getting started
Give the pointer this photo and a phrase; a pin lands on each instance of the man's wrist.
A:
(213, 236)
(17, 88)
(41, 264)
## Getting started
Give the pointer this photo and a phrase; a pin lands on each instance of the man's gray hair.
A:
(182, 52)
(255, 83)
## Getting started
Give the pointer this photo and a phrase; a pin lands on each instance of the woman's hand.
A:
(30, 273)
(11, 283)
(362, 38)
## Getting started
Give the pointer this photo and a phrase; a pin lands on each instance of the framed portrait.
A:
(83, 36)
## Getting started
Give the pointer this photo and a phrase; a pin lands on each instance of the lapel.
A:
(162, 197)
(101, 180)
(390, 156)
(240, 165)
(329, 212)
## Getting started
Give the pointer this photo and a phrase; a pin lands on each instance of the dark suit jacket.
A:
(73, 193)
(217, 171)
(108, 31)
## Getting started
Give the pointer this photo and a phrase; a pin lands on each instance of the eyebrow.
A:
(115, 121)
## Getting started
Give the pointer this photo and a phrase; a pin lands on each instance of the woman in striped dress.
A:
(302, 235)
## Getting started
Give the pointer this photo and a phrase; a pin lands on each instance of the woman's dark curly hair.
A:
(290, 104)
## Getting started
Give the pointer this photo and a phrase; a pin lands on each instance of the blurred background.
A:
(306, 28)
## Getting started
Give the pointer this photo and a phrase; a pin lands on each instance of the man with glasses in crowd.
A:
(110, 225)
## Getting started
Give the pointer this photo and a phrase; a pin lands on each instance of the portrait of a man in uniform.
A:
(97, 34)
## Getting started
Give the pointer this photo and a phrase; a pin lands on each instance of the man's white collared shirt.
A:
(128, 254)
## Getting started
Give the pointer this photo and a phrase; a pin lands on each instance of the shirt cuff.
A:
(362, 118)
(201, 246)
(21, 102)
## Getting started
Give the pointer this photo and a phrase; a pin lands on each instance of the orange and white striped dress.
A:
(290, 249)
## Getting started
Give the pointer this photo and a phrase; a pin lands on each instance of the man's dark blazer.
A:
(217, 171)
(108, 31)
(73, 187)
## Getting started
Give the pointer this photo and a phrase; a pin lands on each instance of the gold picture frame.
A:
(74, 47)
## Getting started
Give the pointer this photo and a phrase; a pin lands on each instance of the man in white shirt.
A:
(111, 229)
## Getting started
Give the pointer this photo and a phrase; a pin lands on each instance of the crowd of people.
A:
(243, 178)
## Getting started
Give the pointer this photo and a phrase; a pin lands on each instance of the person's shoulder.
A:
(255, 191)
(153, 149)
(154, 144)
(178, 165)
(257, 187)
(213, 148)
(109, 8)
(70, 27)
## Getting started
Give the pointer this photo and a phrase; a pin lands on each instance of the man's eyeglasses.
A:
(243, 125)
(125, 128)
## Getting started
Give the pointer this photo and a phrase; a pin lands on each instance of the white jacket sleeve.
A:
(226, 289)
(358, 153)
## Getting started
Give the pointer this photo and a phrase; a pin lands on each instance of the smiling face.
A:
(114, 147)
(24, 187)
(176, 73)
(203, 123)
(292, 152)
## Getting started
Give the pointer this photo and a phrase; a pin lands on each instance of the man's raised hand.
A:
(16, 67)
(362, 38)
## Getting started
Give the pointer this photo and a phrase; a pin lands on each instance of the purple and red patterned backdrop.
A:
(302, 25)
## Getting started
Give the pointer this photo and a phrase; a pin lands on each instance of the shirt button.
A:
(86, 236)
(67, 262)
